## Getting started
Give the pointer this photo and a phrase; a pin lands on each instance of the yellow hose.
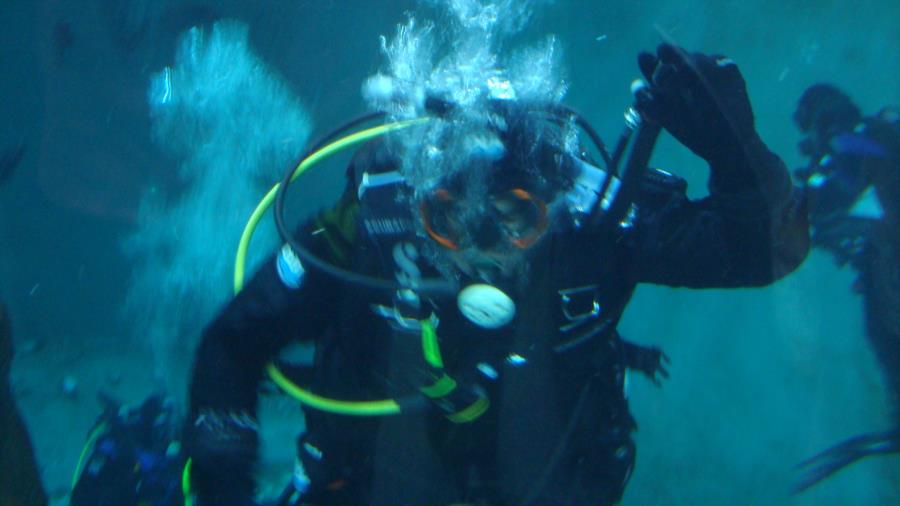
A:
(186, 483)
(355, 408)
(328, 150)
(88, 447)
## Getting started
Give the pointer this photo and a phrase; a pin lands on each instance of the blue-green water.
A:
(760, 379)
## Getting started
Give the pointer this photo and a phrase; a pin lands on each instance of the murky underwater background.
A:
(760, 378)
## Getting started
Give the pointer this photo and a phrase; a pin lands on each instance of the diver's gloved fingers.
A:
(645, 103)
(702, 101)
(661, 375)
(727, 67)
(652, 365)
(699, 64)
(662, 68)
(663, 372)
(672, 54)
(647, 63)
(667, 76)
(676, 63)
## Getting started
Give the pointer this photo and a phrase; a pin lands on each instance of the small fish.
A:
(9, 160)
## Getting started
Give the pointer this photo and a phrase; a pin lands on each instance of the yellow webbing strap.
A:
(445, 385)
(430, 347)
(472, 412)
(441, 388)
(186, 483)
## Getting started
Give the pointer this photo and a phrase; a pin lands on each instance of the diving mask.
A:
(515, 217)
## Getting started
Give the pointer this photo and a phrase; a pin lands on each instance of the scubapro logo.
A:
(387, 226)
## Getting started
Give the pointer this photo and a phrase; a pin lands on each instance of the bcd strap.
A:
(461, 404)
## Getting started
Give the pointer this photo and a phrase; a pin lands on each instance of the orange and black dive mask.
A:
(515, 218)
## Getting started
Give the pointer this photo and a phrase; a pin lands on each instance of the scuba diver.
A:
(467, 286)
(20, 480)
(132, 456)
(852, 188)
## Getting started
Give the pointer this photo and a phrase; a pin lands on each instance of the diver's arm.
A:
(748, 236)
(222, 429)
(750, 230)
(281, 301)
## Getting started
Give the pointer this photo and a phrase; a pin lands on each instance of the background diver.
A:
(496, 341)
(20, 481)
(852, 187)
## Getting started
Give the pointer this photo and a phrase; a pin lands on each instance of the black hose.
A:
(643, 141)
(430, 286)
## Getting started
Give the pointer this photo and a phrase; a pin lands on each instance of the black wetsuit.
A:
(854, 193)
(558, 428)
(852, 187)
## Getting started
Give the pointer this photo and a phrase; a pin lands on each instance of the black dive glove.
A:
(702, 101)
(222, 446)
(649, 360)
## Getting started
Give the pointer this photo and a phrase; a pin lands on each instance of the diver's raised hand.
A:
(700, 99)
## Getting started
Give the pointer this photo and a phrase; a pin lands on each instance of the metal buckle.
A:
(396, 319)
(579, 305)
